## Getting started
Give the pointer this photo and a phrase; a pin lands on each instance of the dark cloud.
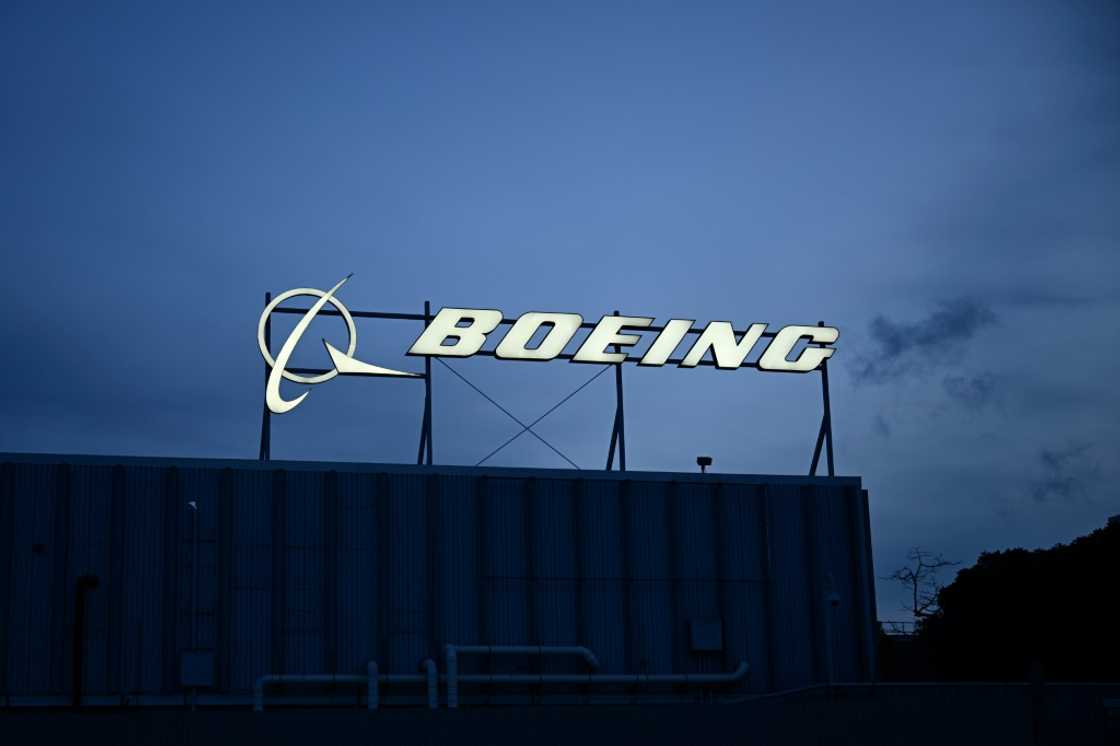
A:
(1066, 473)
(975, 392)
(902, 347)
(882, 427)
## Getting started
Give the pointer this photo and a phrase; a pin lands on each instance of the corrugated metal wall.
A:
(320, 568)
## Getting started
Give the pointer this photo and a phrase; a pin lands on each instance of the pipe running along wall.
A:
(454, 678)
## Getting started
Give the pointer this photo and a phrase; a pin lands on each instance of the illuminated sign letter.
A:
(468, 339)
(720, 337)
(666, 342)
(564, 327)
(811, 357)
(606, 332)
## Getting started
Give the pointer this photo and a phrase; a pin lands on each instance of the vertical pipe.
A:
(431, 675)
(827, 412)
(84, 584)
(371, 686)
(452, 678)
(266, 416)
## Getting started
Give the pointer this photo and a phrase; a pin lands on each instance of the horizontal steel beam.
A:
(503, 322)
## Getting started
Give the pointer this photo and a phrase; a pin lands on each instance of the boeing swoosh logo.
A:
(344, 362)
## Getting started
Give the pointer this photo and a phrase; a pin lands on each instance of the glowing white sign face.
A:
(462, 332)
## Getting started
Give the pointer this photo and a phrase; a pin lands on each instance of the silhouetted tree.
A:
(919, 578)
(1054, 610)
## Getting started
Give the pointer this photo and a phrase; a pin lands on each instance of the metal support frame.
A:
(617, 445)
(425, 449)
(824, 436)
(424, 453)
(266, 418)
(618, 433)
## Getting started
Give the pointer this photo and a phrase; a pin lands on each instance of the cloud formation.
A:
(902, 347)
(1065, 472)
(972, 391)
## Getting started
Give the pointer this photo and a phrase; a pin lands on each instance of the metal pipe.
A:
(82, 586)
(432, 675)
(291, 678)
(372, 691)
(592, 678)
(453, 652)
(452, 678)
(576, 650)
(372, 681)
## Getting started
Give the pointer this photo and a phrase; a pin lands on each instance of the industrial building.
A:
(152, 581)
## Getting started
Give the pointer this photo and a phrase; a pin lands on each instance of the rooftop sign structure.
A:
(539, 336)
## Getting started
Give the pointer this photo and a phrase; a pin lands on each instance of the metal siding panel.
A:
(652, 612)
(696, 570)
(555, 565)
(836, 523)
(743, 581)
(601, 561)
(457, 571)
(171, 511)
(814, 552)
(223, 580)
(91, 491)
(870, 621)
(304, 643)
(57, 647)
(115, 587)
(201, 486)
(7, 540)
(328, 580)
(252, 567)
(792, 630)
(23, 567)
(139, 658)
(357, 572)
(390, 567)
(405, 575)
(505, 569)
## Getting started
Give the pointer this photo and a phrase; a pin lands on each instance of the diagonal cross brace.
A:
(525, 428)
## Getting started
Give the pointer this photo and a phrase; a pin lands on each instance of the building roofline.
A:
(498, 472)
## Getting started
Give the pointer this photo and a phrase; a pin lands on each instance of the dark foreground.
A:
(955, 714)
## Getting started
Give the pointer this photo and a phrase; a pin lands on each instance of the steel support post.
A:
(424, 452)
(266, 416)
(824, 436)
(618, 434)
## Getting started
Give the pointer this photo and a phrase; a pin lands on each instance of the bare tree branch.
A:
(920, 579)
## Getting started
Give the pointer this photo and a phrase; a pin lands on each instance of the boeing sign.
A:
(462, 332)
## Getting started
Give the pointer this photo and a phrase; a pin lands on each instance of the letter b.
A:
(468, 339)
